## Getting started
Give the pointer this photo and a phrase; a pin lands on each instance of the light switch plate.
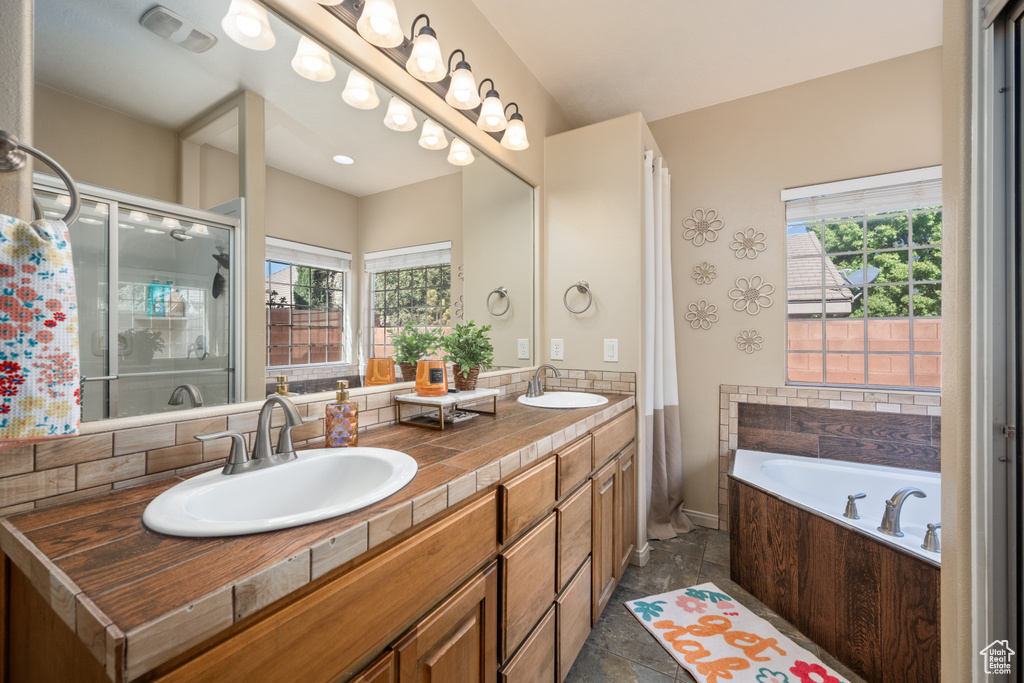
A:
(523, 347)
(556, 349)
(611, 350)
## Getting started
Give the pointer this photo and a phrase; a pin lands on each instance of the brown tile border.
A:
(731, 395)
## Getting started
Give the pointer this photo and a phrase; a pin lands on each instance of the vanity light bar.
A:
(349, 12)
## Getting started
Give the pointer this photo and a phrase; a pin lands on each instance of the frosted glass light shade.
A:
(461, 154)
(426, 62)
(515, 135)
(492, 115)
(360, 92)
(378, 24)
(399, 116)
(433, 136)
(246, 24)
(312, 61)
(462, 92)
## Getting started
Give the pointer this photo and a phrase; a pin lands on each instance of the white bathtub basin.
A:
(564, 399)
(318, 485)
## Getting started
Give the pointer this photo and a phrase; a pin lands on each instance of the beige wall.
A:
(735, 158)
(104, 147)
(16, 107)
(304, 211)
(498, 250)
(594, 209)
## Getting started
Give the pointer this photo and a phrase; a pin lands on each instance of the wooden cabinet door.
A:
(573, 611)
(458, 641)
(625, 510)
(574, 533)
(527, 583)
(381, 671)
(605, 549)
(535, 661)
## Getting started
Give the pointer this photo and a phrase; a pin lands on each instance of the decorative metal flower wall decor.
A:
(702, 226)
(702, 315)
(749, 341)
(751, 294)
(704, 273)
(748, 243)
(460, 308)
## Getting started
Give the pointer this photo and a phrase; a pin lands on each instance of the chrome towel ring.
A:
(581, 287)
(12, 158)
(502, 294)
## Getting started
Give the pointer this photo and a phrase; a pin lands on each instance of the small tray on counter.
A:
(448, 411)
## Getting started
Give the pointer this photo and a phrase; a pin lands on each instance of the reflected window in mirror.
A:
(412, 285)
(305, 304)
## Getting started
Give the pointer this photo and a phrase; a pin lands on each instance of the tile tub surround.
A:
(123, 589)
(826, 425)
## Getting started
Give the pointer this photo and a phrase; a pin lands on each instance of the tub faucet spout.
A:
(893, 507)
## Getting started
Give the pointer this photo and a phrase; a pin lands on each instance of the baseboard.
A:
(641, 555)
(702, 518)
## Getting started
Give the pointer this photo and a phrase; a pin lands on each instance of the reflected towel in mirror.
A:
(39, 372)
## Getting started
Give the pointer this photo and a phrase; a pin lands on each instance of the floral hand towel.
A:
(717, 639)
(39, 375)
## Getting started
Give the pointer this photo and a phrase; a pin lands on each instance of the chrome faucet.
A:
(893, 507)
(183, 390)
(535, 386)
(931, 539)
(263, 454)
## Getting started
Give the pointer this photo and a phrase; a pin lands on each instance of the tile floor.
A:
(619, 649)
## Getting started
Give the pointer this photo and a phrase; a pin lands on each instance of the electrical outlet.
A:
(611, 350)
(556, 349)
(524, 348)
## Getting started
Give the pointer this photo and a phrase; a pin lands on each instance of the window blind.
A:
(300, 254)
(435, 254)
(906, 196)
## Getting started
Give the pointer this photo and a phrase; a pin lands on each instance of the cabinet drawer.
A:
(535, 662)
(575, 463)
(610, 438)
(573, 611)
(381, 671)
(574, 534)
(527, 583)
(527, 497)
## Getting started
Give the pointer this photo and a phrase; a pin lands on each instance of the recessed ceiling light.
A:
(342, 159)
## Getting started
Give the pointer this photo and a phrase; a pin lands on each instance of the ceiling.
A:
(600, 59)
(98, 51)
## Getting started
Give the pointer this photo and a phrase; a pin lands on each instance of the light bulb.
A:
(399, 116)
(378, 24)
(492, 116)
(462, 92)
(246, 23)
(359, 91)
(425, 62)
(460, 154)
(138, 216)
(433, 136)
(312, 61)
(515, 135)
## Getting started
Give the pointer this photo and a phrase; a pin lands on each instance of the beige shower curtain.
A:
(665, 517)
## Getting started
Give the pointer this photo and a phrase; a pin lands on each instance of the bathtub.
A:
(821, 486)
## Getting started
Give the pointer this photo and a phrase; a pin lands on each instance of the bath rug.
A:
(717, 639)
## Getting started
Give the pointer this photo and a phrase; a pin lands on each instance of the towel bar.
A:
(12, 158)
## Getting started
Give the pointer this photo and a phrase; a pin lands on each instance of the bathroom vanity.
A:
(493, 563)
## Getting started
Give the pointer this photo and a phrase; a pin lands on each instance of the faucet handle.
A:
(851, 505)
(931, 539)
(238, 455)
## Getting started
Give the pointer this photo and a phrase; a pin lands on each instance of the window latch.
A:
(1009, 431)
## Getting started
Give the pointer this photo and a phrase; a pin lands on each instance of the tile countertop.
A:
(128, 592)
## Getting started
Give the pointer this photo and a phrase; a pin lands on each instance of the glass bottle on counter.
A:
(341, 421)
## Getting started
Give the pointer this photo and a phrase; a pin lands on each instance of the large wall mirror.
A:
(366, 229)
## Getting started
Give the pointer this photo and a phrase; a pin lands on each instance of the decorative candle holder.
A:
(379, 371)
(431, 378)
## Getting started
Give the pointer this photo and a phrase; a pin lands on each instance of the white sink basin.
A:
(318, 485)
(564, 399)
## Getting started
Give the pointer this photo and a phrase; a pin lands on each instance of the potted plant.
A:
(411, 345)
(145, 343)
(468, 349)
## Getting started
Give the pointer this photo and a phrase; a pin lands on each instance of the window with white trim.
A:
(408, 285)
(864, 282)
(305, 304)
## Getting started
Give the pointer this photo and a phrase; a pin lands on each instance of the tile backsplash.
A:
(124, 452)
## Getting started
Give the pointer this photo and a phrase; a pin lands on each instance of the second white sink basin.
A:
(564, 399)
(318, 485)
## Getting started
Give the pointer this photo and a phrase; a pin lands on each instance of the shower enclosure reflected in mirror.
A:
(142, 132)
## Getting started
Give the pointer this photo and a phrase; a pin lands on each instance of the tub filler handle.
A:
(931, 539)
(851, 505)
